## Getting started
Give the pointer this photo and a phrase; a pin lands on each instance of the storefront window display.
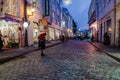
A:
(35, 35)
(10, 33)
(51, 34)
(36, 32)
(57, 34)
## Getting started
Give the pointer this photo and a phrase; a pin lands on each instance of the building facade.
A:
(52, 11)
(117, 20)
(92, 19)
(11, 28)
(106, 20)
(74, 27)
(33, 30)
(14, 13)
(64, 22)
(67, 22)
(105, 17)
(49, 9)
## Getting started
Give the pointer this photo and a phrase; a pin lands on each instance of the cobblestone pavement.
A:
(74, 60)
(109, 49)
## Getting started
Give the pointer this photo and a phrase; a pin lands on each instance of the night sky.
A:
(79, 11)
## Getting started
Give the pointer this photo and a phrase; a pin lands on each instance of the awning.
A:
(11, 18)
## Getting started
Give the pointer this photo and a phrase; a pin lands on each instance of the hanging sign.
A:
(44, 21)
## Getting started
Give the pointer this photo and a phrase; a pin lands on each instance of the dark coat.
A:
(41, 42)
(106, 39)
(1, 43)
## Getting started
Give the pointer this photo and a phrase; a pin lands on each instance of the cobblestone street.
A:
(74, 60)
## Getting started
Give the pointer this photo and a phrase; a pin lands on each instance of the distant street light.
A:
(68, 30)
(63, 23)
(109, 29)
(67, 2)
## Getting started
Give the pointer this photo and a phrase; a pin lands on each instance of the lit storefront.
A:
(10, 22)
(35, 33)
(51, 34)
(57, 33)
(10, 33)
(93, 27)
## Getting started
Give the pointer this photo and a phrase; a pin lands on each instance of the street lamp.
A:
(67, 2)
(29, 10)
(25, 24)
(68, 30)
(109, 29)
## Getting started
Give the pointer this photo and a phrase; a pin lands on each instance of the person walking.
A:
(106, 39)
(41, 42)
(1, 43)
(63, 38)
(66, 39)
(92, 38)
(43, 28)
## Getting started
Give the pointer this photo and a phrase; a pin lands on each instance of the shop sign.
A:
(44, 21)
(2, 12)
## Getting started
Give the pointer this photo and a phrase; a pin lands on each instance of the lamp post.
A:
(29, 10)
(25, 23)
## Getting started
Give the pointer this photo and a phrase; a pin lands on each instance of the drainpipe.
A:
(115, 22)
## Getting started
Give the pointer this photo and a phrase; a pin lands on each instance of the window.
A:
(109, 23)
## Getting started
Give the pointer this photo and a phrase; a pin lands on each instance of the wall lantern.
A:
(30, 10)
(68, 30)
(109, 29)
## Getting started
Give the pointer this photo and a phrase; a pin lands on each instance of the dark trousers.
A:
(41, 44)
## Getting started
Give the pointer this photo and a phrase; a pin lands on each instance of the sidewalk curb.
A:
(107, 53)
(6, 59)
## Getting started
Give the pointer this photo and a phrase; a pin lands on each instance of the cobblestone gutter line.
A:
(106, 52)
(7, 58)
